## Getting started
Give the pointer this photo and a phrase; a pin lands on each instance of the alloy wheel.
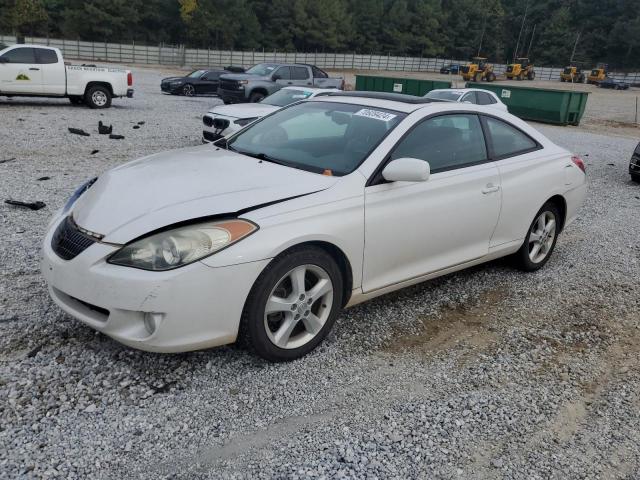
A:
(188, 90)
(542, 236)
(298, 306)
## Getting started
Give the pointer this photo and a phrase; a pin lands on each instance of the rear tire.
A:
(635, 178)
(98, 97)
(531, 75)
(491, 77)
(293, 305)
(540, 240)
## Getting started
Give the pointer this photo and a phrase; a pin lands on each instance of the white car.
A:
(475, 96)
(40, 71)
(323, 204)
(223, 120)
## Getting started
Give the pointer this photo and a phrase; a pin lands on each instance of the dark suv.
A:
(634, 165)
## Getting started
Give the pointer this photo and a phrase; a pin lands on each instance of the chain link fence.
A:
(180, 56)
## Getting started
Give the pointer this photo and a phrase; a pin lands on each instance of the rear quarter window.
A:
(46, 56)
(507, 140)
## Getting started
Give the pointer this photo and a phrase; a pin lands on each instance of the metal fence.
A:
(181, 56)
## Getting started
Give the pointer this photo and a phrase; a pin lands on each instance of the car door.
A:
(19, 72)
(54, 78)
(282, 76)
(209, 82)
(413, 229)
(301, 76)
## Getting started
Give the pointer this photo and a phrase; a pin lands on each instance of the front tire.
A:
(188, 90)
(98, 97)
(540, 240)
(256, 97)
(635, 177)
(292, 305)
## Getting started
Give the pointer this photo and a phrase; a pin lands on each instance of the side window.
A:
(446, 142)
(317, 73)
(20, 55)
(299, 73)
(485, 98)
(45, 56)
(470, 97)
(211, 76)
(508, 141)
(284, 73)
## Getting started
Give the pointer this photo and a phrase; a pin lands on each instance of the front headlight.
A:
(245, 121)
(181, 246)
(176, 83)
(79, 191)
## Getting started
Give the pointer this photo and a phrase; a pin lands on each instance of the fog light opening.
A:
(152, 321)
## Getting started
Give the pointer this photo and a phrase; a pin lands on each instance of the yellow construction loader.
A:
(598, 74)
(572, 74)
(520, 69)
(478, 70)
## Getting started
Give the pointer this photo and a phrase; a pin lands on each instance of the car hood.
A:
(180, 185)
(242, 76)
(169, 79)
(244, 110)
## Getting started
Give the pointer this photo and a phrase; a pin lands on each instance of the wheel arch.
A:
(107, 85)
(261, 90)
(561, 203)
(338, 255)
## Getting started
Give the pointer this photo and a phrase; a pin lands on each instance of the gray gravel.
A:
(488, 373)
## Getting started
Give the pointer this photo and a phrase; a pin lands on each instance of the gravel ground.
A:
(488, 373)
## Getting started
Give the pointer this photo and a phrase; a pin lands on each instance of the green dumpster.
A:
(560, 107)
(409, 86)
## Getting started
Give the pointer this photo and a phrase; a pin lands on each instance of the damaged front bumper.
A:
(189, 308)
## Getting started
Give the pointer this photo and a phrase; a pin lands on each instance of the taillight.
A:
(129, 79)
(579, 163)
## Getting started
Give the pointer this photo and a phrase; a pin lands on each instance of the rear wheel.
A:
(540, 240)
(635, 177)
(98, 97)
(293, 305)
(491, 77)
(531, 75)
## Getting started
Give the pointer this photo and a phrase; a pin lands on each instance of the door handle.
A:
(35, 69)
(490, 188)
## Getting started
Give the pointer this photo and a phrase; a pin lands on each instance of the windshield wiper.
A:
(261, 156)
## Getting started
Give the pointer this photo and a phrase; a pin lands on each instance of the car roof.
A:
(461, 90)
(390, 101)
(311, 89)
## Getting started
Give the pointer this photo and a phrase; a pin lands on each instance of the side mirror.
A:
(276, 77)
(407, 170)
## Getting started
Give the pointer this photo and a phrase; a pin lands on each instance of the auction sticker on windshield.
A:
(377, 114)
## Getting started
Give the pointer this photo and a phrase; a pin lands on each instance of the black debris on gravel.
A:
(113, 136)
(43, 178)
(103, 129)
(93, 152)
(7, 160)
(31, 205)
(79, 131)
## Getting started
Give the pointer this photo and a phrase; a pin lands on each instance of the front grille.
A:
(68, 242)
(229, 85)
(211, 137)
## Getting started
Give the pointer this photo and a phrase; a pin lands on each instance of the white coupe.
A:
(264, 236)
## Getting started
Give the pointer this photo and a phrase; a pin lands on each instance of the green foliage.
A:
(609, 29)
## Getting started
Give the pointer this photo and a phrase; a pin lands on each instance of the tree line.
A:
(546, 30)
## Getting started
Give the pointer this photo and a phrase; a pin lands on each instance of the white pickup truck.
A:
(40, 71)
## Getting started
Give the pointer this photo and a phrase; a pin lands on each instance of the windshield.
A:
(286, 96)
(444, 95)
(196, 74)
(321, 137)
(262, 69)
